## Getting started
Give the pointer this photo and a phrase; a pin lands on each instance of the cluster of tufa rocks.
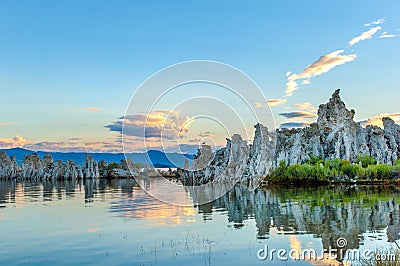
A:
(337, 135)
(334, 135)
(36, 168)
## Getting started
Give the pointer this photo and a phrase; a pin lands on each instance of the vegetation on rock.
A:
(316, 169)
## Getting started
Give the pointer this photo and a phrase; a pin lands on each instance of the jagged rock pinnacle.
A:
(335, 135)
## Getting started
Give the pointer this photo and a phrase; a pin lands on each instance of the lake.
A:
(115, 222)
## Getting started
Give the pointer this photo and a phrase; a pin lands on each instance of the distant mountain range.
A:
(153, 157)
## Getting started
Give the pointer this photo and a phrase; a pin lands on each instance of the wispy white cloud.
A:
(378, 22)
(276, 102)
(324, 64)
(386, 35)
(306, 106)
(291, 85)
(365, 35)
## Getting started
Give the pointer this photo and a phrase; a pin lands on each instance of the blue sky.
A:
(69, 68)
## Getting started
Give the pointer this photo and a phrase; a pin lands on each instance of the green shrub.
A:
(336, 164)
(351, 170)
(315, 169)
(383, 171)
(295, 171)
(371, 172)
(314, 160)
(281, 172)
(366, 160)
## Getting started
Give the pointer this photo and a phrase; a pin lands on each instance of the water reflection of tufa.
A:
(12, 191)
(328, 213)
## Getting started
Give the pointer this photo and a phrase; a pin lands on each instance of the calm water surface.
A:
(114, 222)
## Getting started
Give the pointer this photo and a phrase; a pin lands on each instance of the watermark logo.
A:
(341, 242)
(212, 99)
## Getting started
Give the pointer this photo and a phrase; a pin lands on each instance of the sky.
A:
(68, 69)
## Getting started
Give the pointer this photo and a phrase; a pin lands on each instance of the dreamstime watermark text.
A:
(330, 253)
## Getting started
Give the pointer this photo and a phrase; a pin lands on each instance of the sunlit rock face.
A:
(238, 161)
(295, 145)
(14, 168)
(59, 170)
(47, 168)
(8, 168)
(204, 166)
(238, 154)
(262, 152)
(71, 171)
(31, 166)
(340, 136)
(67, 170)
(203, 158)
(223, 165)
(90, 167)
(377, 143)
(392, 136)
